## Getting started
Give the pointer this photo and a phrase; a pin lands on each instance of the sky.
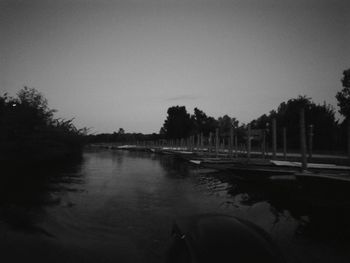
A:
(122, 64)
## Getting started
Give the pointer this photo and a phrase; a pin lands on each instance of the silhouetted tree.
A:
(177, 124)
(343, 98)
(201, 123)
(225, 123)
(30, 132)
(322, 117)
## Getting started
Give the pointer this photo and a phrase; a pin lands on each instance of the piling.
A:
(217, 142)
(274, 139)
(202, 142)
(302, 139)
(348, 130)
(236, 145)
(210, 143)
(284, 143)
(248, 142)
(231, 142)
(263, 144)
(310, 135)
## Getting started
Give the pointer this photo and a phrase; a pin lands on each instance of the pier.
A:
(255, 168)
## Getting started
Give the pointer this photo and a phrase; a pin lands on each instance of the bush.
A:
(29, 132)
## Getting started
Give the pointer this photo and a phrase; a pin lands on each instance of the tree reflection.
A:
(26, 191)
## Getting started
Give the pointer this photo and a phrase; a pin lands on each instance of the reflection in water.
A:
(25, 192)
(118, 206)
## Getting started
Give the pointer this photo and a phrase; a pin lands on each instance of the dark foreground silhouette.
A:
(219, 238)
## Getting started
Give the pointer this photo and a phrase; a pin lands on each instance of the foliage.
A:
(343, 96)
(322, 117)
(201, 123)
(177, 124)
(225, 123)
(30, 132)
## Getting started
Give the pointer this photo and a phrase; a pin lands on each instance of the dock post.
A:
(236, 144)
(310, 135)
(348, 131)
(217, 142)
(224, 145)
(202, 142)
(210, 143)
(263, 144)
(284, 143)
(231, 142)
(248, 142)
(274, 139)
(198, 142)
(302, 139)
(194, 142)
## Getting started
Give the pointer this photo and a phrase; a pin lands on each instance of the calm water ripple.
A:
(118, 206)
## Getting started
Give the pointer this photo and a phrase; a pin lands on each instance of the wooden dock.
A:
(249, 169)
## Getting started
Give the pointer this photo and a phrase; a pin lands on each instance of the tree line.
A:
(329, 134)
(29, 129)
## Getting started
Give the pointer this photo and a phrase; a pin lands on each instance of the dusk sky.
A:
(113, 64)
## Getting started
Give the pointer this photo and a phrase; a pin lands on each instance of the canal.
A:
(119, 206)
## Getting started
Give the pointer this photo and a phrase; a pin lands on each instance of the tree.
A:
(225, 123)
(343, 98)
(201, 123)
(177, 124)
(287, 115)
(30, 132)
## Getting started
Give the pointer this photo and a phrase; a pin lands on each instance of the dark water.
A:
(118, 206)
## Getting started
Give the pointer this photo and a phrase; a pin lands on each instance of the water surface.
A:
(119, 206)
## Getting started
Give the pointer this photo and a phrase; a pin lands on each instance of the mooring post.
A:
(248, 142)
(310, 135)
(202, 142)
(236, 144)
(284, 143)
(302, 139)
(267, 132)
(348, 131)
(231, 141)
(274, 139)
(217, 142)
(263, 144)
(224, 143)
(210, 142)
